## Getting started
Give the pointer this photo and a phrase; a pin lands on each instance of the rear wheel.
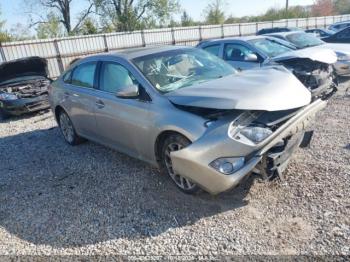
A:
(173, 143)
(67, 129)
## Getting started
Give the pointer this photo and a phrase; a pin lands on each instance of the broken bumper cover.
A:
(24, 105)
(194, 161)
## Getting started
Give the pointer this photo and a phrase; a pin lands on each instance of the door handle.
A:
(100, 104)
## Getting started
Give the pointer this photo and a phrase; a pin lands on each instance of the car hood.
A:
(320, 54)
(23, 67)
(344, 48)
(268, 89)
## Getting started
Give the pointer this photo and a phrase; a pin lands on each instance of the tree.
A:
(4, 36)
(186, 20)
(88, 27)
(322, 8)
(51, 29)
(342, 6)
(214, 12)
(128, 15)
(63, 10)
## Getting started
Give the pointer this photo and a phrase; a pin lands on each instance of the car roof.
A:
(239, 38)
(342, 22)
(132, 53)
(284, 34)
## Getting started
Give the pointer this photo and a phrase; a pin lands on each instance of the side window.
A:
(67, 78)
(213, 49)
(114, 76)
(345, 34)
(236, 52)
(84, 74)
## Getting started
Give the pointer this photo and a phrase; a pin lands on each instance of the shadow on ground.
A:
(63, 196)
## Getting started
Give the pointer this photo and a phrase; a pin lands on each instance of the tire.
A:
(175, 142)
(68, 130)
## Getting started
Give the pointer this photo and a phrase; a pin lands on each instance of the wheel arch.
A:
(160, 139)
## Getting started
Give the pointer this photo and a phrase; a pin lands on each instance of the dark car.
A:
(320, 32)
(23, 86)
(277, 30)
(342, 36)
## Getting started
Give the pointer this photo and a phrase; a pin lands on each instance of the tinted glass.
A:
(181, 68)
(114, 77)
(302, 40)
(83, 75)
(236, 52)
(213, 49)
(67, 77)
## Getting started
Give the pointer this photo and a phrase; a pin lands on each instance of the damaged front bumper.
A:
(193, 162)
(24, 105)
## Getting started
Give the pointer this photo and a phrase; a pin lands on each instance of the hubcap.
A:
(66, 128)
(180, 181)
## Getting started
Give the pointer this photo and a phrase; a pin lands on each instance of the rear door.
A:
(79, 98)
(237, 55)
(121, 123)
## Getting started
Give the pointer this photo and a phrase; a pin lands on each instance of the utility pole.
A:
(287, 5)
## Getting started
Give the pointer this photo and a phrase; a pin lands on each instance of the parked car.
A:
(342, 36)
(308, 42)
(320, 32)
(23, 86)
(339, 26)
(314, 69)
(187, 112)
(277, 30)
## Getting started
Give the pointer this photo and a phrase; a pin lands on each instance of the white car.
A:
(306, 41)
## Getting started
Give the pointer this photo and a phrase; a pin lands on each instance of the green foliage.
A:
(50, 29)
(129, 15)
(88, 27)
(342, 6)
(4, 36)
(215, 13)
(186, 20)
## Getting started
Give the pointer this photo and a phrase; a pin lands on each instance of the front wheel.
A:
(67, 129)
(174, 143)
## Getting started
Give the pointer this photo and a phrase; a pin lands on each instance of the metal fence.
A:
(59, 52)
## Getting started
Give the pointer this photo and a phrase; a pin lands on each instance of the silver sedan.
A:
(187, 112)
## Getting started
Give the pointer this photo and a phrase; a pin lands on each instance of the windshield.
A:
(269, 47)
(172, 70)
(302, 40)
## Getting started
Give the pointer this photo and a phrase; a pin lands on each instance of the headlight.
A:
(256, 134)
(228, 165)
(8, 96)
(343, 57)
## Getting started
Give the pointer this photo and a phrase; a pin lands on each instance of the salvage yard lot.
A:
(84, 200)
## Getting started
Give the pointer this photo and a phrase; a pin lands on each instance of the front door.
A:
(121, 123)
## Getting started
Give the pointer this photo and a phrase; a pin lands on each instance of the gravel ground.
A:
(89, 200)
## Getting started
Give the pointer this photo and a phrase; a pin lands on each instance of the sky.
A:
(13, 10)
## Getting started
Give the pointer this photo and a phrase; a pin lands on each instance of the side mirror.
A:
(130, 91)
(251, 58)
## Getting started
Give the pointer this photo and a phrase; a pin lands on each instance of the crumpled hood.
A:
(23, 67)
(343, 48)
(317, 53)
(269, 89)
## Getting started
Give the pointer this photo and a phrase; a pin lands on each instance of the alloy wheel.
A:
(180, 181)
